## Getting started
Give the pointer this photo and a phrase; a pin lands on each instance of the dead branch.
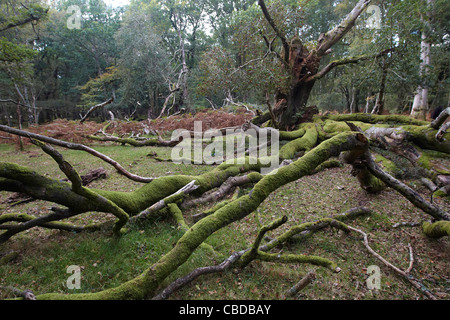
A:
(224, 189)
(442, 131)
(279, 34)
(135, 142)
(56, 225)
(181, 282)
(405, 190)
(405, 274)
(31, 222)
(18, 198)
(199, 216)
(439, 121)
(75, 146)
(98, 106)
(177, 196)
(26, 294)
(306, 280)
(406, 224)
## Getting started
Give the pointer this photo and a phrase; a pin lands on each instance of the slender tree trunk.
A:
(19, 120)
(420, 105)
(354, 108)
(379, 106)
(369, 99)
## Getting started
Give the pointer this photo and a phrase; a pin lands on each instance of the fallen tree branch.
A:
(399, 186)
(27, 294)
(442, 131)
(224, 189)
(199, 216)
(181, 282)
(98, 106)
(405, 274)
(179, 195)
(406, 191)
(135, 142)
(75, 146)
(102, 203)
(20, 198)
(306, 280)
(439, 121)
(63, 226)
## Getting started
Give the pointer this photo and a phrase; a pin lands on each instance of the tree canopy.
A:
(213, 53)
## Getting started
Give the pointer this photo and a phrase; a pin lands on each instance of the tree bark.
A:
(420, 105)
(303, 65)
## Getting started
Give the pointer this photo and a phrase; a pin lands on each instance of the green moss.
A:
(305, 143)
(425, 137)
(371, 118)
(441, 194)
(292, 135)
(387, 165)
(369, 182)
(436, 230)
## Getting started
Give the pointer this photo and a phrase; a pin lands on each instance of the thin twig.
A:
(404, 274)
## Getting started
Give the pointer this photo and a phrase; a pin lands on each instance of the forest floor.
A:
(43, 256)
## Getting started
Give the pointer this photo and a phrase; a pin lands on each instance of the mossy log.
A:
(150, 142)
(436, 230)
(374, 119)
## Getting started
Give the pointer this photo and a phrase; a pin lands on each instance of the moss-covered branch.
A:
(436, 230)
(304, 143)
(151, 142)
(374, 119)
(405, 190)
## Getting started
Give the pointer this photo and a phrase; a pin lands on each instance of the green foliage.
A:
(225, 51)
(94, 90)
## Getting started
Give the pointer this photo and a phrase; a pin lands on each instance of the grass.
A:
(44, 255)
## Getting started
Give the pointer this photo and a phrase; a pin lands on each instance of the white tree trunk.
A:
(420, 105)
